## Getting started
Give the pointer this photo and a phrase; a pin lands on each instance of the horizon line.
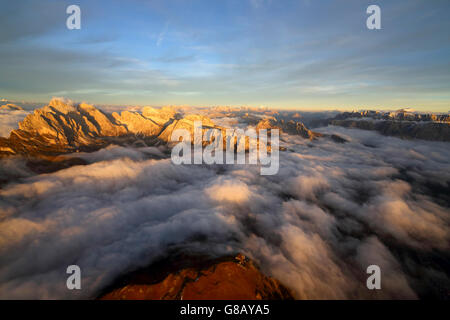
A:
(252, 106)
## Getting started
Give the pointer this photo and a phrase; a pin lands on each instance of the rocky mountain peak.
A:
(290, 127)
(10, 107)
(62, 105)
(63, 126)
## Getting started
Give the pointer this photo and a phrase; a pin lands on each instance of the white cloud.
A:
(331, 210)
(9, 120)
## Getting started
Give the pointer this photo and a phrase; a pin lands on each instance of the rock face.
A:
(228, 278)
(63, 127)
(290, 127)
(399, 115)
(137, 123)
(10, 106)
(402, 123)
(160, 116)
(187, 123)
(434, 131)
(338, 139)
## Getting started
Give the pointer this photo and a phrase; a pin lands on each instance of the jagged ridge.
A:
(63, 127)
(402, 123)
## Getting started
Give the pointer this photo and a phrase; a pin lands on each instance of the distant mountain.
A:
(401, 123)
(64, 127)
(10, 107)
(399, 115)
(290, 127)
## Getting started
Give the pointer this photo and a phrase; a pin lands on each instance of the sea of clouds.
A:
(332, 210)
(9, 120)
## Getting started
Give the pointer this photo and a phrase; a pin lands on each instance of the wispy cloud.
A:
(259, 3)
(162, 34)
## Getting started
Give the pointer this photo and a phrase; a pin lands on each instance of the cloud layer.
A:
(9, 120)
(332, 210)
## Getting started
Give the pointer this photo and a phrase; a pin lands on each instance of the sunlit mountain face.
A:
(247, 150)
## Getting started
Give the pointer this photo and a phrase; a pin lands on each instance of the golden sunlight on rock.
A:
(228, 278)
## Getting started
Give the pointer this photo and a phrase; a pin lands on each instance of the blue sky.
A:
(305, 54)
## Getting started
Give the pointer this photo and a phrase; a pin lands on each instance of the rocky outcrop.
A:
(402, 123)
(289, 127)
(187, 123)
(64, 127)
(338, 139)
(160, 116)
(198, 278)
(434, 131)
(138, 124)
(61, 127)
(10, 107)
(399, 115)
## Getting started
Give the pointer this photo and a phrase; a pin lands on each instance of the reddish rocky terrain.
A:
(199, 278)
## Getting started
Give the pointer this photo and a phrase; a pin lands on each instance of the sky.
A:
(301, 54)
